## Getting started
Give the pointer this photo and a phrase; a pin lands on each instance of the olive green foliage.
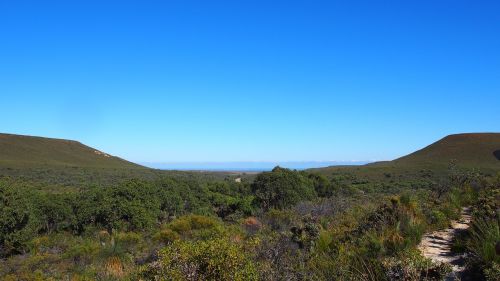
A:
(283, 225)
(282, 188)
(470, 150)
(230, 200)
(75, 214)
(130, 206)
(323, 186)
(54, 211)
(29, 151)
(483, 239)
(18, 221)
(214, 259)
(381, 243)
(193, 227)
(134, 205)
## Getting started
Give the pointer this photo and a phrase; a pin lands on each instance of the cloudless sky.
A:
(162, 81)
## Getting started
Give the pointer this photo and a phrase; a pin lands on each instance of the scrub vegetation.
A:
(331, 224)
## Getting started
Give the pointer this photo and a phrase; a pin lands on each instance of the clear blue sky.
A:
(161, 81)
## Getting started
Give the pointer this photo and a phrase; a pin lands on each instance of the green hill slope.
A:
(19, 151)
(468, 150)
(473, 150)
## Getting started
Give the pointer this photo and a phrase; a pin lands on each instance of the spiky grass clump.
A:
(485, 234)
(114, 267)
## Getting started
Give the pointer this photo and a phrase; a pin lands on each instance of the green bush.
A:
(438, 218)
(18, 220)
(282, 188)
(180, 225)
(215, 259)
(167, 236)
(322, 186)
(83, 252)
(196, 226)
(485, 234)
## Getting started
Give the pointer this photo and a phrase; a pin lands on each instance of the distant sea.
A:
(247, 166)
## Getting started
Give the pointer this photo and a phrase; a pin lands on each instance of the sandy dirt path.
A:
(437, 245)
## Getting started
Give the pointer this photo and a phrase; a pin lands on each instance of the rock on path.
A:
(437, 245)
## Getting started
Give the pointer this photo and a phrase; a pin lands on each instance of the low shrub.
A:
(167, 236)
(215, 259)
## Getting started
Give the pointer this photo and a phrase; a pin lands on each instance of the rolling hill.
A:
(18, 151)
(471, 150)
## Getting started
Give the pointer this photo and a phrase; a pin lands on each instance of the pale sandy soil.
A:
(437, 245)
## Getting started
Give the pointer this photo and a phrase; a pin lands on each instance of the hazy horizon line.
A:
(247, 165)
(259, 161)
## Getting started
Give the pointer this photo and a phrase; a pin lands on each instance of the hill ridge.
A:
(467, 149)
(32, 151)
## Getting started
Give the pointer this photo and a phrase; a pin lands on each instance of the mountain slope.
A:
(472, 150)
(469, 150)
(28, 151)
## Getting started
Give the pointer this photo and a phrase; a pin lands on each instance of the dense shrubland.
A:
(282, 225)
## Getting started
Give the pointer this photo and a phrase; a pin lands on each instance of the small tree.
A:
(18, 222)
(282, 188)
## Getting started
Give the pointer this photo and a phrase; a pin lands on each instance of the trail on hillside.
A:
(437, 245)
